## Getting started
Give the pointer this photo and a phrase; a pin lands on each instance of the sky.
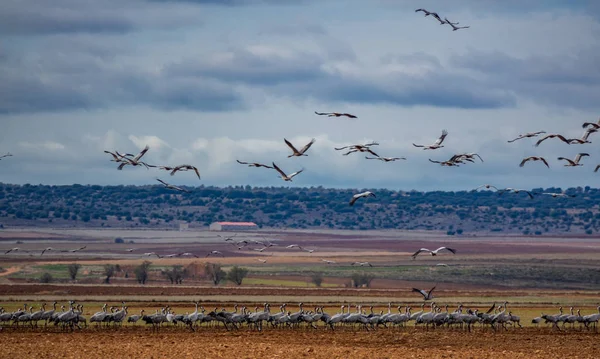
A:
(206, 82)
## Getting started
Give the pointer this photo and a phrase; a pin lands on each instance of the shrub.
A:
(317, 278)
(215, 273)
(237, 274)
(109, 271)
(46, 278)
(73, 270)
(141, 272)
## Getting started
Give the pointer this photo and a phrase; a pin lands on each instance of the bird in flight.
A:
(14, 250)
(253, 164)
(561, 194)
(76, 249)
(181, 168)
(335, 114)
(486, 186)
(386, 159)
(287, 178)
(215, 253)
(534, 158)
(575, 162)
(526, 135)
(362, 264)
(302, 151)
(170, 186)
(361, 195)
(454, 28)
(261, 260)
(328, 261)
(437, 144)
(552, 135)
(434, 252)
(426, 295)
(8, 154)
(434, 14)
(515, 190)
(45, 250)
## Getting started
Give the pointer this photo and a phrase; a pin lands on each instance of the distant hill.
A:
(153, 206)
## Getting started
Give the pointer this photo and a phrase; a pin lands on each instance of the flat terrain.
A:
(209, 343)
(534, 274)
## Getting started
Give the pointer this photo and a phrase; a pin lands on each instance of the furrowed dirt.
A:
(298, 343)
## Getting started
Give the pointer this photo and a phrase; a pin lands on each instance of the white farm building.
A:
(233, 226)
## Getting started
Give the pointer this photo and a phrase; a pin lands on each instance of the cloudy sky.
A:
(207, 82)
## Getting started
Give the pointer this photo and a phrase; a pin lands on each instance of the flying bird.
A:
(584, 137)
(335, 114)
(534, 158)
(575, 162)
(486, 186)
(148, 254)
(215, 253)
(594, 125)
(527, 135)
(454, 28)
(362, 264)
(437, 144)
(561, 194)
(434, 14)
(45, 250)
(76, 249)
(182, 168)
(261, 260)
(302, 151)
(515, 190)
(553, 135)
(8, 154)
(361, 195)
(426, 295)
(434, 252)
(386, 159)
(293, 246)
(287, 178)
(170, 186)
(135, 161)
(253, 164)
(328, 261)
(187, 254)
(14, 250)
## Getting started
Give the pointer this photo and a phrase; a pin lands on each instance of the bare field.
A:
(217, 343)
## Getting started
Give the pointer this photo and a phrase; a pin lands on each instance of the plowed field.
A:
(283, 343)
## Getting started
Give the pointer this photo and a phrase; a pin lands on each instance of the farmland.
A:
(534, 274)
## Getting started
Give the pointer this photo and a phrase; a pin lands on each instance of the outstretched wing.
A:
(242, 163)
(290, 145)
(279, 170)
(322, 113)
(295, 173)
(414, 144)
(442, 137)
(525, 160)
(420, 251)
(545, 162)
(450, 249)
(161, 181)
(138, 157)
(355, 197)
(305, 148)
(422, 292)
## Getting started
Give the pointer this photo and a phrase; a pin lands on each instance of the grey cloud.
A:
(303, 75)
(570, 80)
(43, 17)
(85, 82)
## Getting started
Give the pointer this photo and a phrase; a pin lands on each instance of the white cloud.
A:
(44, 146)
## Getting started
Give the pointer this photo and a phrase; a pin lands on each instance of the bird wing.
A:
(305, 148)
(491, 309)
(525, 160)
(279, 170)
(291, 146)
(261, 165)
(430, 160)
(431, 291)
(442, 137)
(597, 168)
(372, 158)
(442, 248)
(242, 163)
(322, 113)
(414, 144)
(419, 251)
(423, 293)
(141, 154)
(477, 154)
(349, 115)
(371, 152)
(341, 148)
(197, 172)
(295, 173)
(545, 162)
(161, 181)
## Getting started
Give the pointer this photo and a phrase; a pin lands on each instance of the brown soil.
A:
(276, 343)
(169, 290)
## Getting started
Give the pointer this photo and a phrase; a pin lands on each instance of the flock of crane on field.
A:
(496, 318)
